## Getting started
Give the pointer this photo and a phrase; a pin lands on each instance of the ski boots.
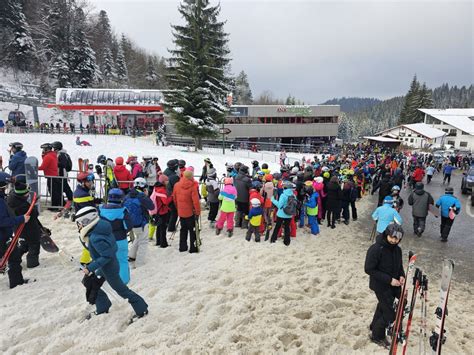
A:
(230, 233)
(218, 231)
(247, 238)
(212, 224)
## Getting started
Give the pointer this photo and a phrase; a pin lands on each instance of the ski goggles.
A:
(396, 234)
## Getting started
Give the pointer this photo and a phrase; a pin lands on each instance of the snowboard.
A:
(438, 337)
(31, 171)
(46, 242)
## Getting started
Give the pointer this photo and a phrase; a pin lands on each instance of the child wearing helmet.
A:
(311, 205)
(255, 220)
(119, 218)
(227, 195)
(138, 204)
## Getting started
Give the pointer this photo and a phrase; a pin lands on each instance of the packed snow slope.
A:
(235, 297)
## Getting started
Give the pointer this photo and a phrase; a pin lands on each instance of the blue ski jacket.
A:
(384, 215)
(119, 219)
(445, 202)
(7, 219)
(281, 203)
(448, 169)
(102, 246)
(16, 163)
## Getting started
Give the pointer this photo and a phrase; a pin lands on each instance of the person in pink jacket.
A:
(318, 186)
(135, 167)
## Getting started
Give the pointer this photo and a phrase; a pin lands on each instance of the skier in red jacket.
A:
(50, 167)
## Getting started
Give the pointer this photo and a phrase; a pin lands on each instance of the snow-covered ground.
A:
(233, 297)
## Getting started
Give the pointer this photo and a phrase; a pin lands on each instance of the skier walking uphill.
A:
(421, 201)
(50, 167)
(16, 164)
(282, 217)
(449, 207)
(242, 183)
(121, 223)
(385, 188)
(384, 266)
(97, 234)
(7, 223)
(64, 166)
(173, 178)
(228, 196)
(212, 188)
(138, 204)
(17, 201)
(186, 198)
(386, 214)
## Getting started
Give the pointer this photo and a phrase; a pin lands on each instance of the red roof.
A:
(144, 108)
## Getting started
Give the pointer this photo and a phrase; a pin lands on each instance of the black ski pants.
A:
(14, 262)
(188, 225)
(213, 209)
(67, 189)
(428, 178)
(345, 210)
(173, 217)
(286, 225)
(447, 177)
(354, 210)
(419, 224)
(55, 190)
(384, 313)
(446, 224)
(161, 227)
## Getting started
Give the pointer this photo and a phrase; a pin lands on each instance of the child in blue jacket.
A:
(312, 209)
(255, 219)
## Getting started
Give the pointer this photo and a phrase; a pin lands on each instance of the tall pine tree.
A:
(196, 72)
(151, 74)
(242, 94)
(108, 67)
(408, 113)
(121, 65)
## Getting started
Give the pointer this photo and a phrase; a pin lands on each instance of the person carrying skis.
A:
(212, 189)
(449, 207)
(384, 266)
(17, 200)
(227, 196)
(119, 218)
(97, 235)
(255, 220)
(161, 213)
(421, 201)
(16, 164)
(386, 214)
(7, 223)
(186, 198)
(138, 204)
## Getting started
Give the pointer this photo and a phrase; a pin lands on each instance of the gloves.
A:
(92, 283)
(246, 217)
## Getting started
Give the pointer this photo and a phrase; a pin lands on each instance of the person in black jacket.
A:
(385, 188)
(17, 200)
(384, 266)
(64, 166)
(242, 183)
(173, 178)
(333, 201)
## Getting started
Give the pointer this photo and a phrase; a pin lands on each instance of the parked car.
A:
(467, 184)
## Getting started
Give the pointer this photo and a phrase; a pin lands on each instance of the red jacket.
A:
(161, 201)
(186, 198)
(49, 164)
(122, 174)
(257, 195)
(418, 174)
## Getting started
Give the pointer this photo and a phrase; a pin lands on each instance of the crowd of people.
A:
(142, 202)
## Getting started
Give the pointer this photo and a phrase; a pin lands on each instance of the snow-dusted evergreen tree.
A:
(412, 99)
(18, 49)
(196, 72)
(101, 37)
(82, 61)
(61, 70)
(242, 94)
(151, 76)
(108, 67)
(121, 65)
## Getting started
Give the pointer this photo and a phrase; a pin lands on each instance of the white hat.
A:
(255, 202)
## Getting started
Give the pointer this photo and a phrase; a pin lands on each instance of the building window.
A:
(464, 133)
(452, 133)
(451, 143)
(411, 140)
(446, 130)
(463, 144)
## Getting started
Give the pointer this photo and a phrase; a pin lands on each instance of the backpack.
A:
(134, 207)
(68, 162)
(291, 206)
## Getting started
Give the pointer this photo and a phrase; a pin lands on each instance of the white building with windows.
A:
(458, 123)
(416, 135)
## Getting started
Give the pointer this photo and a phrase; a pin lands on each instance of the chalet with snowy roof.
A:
(458, 123)
(416, 135)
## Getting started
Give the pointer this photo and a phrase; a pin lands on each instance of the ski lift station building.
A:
(292, 124)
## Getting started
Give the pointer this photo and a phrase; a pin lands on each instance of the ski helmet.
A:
(244, 169)
(181, 163)
(294, 170)
(276, 176)
(119, 160)
(101, 159)
(268, 177)
(396, 188)
(388, 200)
(57, 145)
(115, 195)
(147, 157)
(256, 184)
(254, 163)
(16, 145)
(5, 179)
(139, 183)
(264, 166)
(46, 147)
(288, 185)
(255, 202)
(86, 216)
(84, 176)
(207, 160)
(237, 166)
(394, 230)
(172, 164)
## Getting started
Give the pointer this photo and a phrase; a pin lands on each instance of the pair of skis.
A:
(420, 286)
(83, 165)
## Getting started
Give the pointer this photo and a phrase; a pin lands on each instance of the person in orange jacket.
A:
(186, 200)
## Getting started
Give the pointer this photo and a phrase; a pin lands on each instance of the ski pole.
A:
(175, 230)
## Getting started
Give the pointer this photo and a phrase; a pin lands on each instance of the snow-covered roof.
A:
(460, 118)
(382, 139)
(425, 130)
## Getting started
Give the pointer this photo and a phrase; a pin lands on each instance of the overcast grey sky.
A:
(317, 50)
